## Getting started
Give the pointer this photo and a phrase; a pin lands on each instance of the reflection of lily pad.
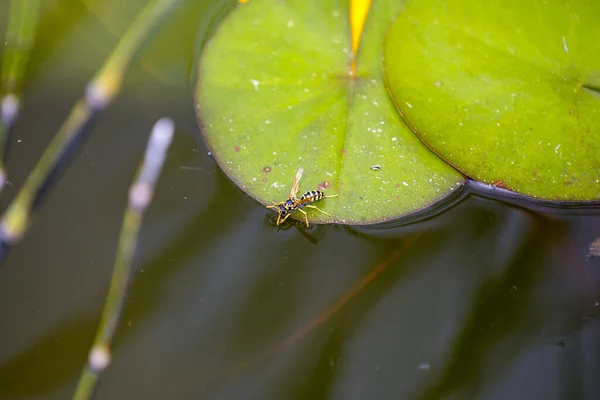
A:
(275, 93)
(504, 90)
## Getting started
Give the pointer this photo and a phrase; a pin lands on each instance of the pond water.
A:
(485, 299)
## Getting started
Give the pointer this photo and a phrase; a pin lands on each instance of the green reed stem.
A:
(140, 196)
(20, 34)
(99, 93)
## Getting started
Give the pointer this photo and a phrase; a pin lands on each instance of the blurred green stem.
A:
(140, 196)
(20, 34)
(100, 92)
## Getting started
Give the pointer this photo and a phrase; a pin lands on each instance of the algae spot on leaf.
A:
(504, 90)
(275, 80)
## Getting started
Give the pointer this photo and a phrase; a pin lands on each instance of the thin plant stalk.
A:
(20, 34)
(140, 196)
(99, 93)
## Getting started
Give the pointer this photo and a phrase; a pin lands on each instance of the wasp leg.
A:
(333, 195)
(274, 208)
(305, 216)
(318, 209)
(284, 218)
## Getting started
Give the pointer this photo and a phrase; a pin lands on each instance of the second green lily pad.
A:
(504, 90)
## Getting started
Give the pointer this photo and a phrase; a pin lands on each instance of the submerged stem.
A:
(100, 91)
(140, 196)
(20, 34)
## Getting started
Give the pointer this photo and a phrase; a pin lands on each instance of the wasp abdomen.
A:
(312, 195)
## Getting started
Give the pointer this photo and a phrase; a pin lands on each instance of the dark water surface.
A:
(485, 300)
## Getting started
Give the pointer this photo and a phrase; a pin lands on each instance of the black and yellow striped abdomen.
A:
(312, 195)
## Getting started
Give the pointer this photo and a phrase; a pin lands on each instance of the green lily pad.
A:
(504, 90)
(274, 94)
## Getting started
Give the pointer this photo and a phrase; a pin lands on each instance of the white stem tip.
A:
(140, 195)
(99, 358)
(10, 108)
(162, 133)
(96, 96)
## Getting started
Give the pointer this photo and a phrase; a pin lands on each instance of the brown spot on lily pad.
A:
(323, 185)
(267, 169)
(237, 149)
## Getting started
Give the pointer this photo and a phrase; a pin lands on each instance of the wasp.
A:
(285, 208)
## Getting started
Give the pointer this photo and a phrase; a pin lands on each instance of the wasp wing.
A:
(296, 184)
